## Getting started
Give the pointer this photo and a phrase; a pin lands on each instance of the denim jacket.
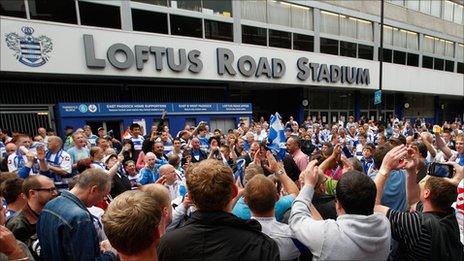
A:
(66, 231)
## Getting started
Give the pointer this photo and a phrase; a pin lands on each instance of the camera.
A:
(440, 170)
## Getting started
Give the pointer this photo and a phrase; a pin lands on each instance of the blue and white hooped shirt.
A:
(137, 142)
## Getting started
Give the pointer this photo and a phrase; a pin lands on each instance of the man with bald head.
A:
(149, 173)
(161, 195)
(173, 184)
(10, 148)
(294, 148)
(57, 162)
(43, 133)
(197, 153)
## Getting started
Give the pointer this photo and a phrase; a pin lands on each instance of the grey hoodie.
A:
(350, 237)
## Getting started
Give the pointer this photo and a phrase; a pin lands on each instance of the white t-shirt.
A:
(282, 235)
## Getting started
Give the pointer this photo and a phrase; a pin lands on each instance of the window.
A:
(329, 46)
(397, 2)
(429, 44)
(153, 2)
(63, 11)
(448, 10)
(449, 48)
(348, 26)
(100, 15)
(146, 21)
(461, 68)
(458, 9)
(278, 13)
(330, 23)
(365, 30)
(303, 42)
(427, 62)
(413, 59)
(347, 49)
(186, 26)
(435, 8)
(425, 6)
(218, 31)
(399, 38)
(460, 52)
(438, 64)
(280, 39)
(413, 4)
(12, 8)
(387, 55)
(399, 57)
(192, 5)
(439, 46)
(387, 35)
(413, 41)
(302, 17)
(254, 10)
(219, 7)
(365, 52)
(254, 35)
(449, 66)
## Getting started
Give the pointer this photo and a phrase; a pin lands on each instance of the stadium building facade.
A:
(316, 58)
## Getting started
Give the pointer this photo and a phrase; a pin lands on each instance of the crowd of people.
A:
(352, 190)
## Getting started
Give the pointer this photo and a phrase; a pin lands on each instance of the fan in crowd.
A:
(283, 190)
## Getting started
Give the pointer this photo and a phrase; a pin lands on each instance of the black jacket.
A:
(217, 236)
(119, 184)
(202, 156)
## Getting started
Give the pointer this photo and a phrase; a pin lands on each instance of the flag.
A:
(239, 173)
(276, 137)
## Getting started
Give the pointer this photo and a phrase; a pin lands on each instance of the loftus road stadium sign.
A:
(178, 60)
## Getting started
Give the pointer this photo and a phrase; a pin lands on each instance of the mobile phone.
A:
(440, 170)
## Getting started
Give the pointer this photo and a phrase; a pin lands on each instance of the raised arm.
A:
(426, 139)
(303, 222)
(394, 159)
(331, 161)
(279, 170)
(442, 146)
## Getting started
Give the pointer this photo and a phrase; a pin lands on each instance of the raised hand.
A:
(309, 175)
(394, 159)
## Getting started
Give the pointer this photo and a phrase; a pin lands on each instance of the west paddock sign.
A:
(66, 49)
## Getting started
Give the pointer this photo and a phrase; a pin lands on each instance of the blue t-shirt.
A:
(394, 193)
(284, 203)
(204, 143)
(78, 154)
(460, 159)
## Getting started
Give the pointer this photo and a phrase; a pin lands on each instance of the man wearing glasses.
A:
(39, 190)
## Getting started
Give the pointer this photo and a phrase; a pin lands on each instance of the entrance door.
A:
(325, 117)
(114, 126)
(343, 116)
(373, 115)
(333, 117)
(314, 115)
(223, 124)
